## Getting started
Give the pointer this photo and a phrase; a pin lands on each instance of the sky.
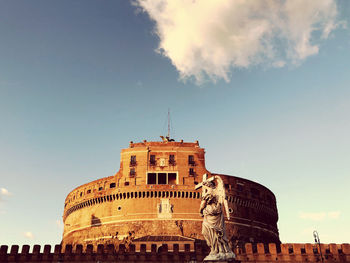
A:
(263, 85)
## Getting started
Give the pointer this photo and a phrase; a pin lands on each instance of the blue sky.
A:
(80, 79)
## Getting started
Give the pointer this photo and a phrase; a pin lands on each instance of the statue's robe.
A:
(213, 229)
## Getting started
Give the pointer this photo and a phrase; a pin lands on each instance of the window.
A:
(162, 178)
(133, 160)
(81, 194)
(191, 160)
(112, 185)
(152, 160)
(126, 183)
(191, 172)
(172, 159)
(132, 172)
(151, 178)
(100, 188)
(171, 178)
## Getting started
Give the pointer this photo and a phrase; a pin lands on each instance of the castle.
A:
(149, 212)
(153, 198)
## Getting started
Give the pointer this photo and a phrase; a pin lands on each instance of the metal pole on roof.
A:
(168, 123)
(317, 241)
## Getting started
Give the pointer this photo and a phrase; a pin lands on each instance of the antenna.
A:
(168, 123)
(167, 138)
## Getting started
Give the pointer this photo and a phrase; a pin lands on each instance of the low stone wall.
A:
(262, 253)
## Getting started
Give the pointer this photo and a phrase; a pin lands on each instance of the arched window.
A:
(151, 194)
(132, 194)
(147, 194)
(190, 194)
(128, 195)
(171, 194)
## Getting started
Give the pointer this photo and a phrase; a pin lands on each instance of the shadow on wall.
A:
(95, 221)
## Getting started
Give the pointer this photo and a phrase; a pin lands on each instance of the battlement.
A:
(175, 253)
(163, 143)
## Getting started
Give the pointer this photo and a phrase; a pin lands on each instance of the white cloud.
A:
(279, 64)
(4, 192)
(334, 214)
(313, 216)
(206, 37)
(28, 235)
(319, 216)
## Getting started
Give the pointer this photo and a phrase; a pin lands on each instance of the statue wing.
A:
(220, 190)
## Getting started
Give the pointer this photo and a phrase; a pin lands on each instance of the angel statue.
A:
(213, 227)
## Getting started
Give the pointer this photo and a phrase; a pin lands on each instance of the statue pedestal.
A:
(222, 261)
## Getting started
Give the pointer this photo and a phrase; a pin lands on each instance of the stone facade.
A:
(154, 194)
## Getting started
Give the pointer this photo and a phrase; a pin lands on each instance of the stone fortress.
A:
(149, 212)
(153, 196)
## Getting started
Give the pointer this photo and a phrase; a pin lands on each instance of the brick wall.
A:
(260, 252)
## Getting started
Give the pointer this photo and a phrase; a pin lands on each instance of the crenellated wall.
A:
(262, 253)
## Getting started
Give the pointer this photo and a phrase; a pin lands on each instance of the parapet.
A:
(181, 252)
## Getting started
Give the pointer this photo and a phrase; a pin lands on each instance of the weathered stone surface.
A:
(119, 208)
